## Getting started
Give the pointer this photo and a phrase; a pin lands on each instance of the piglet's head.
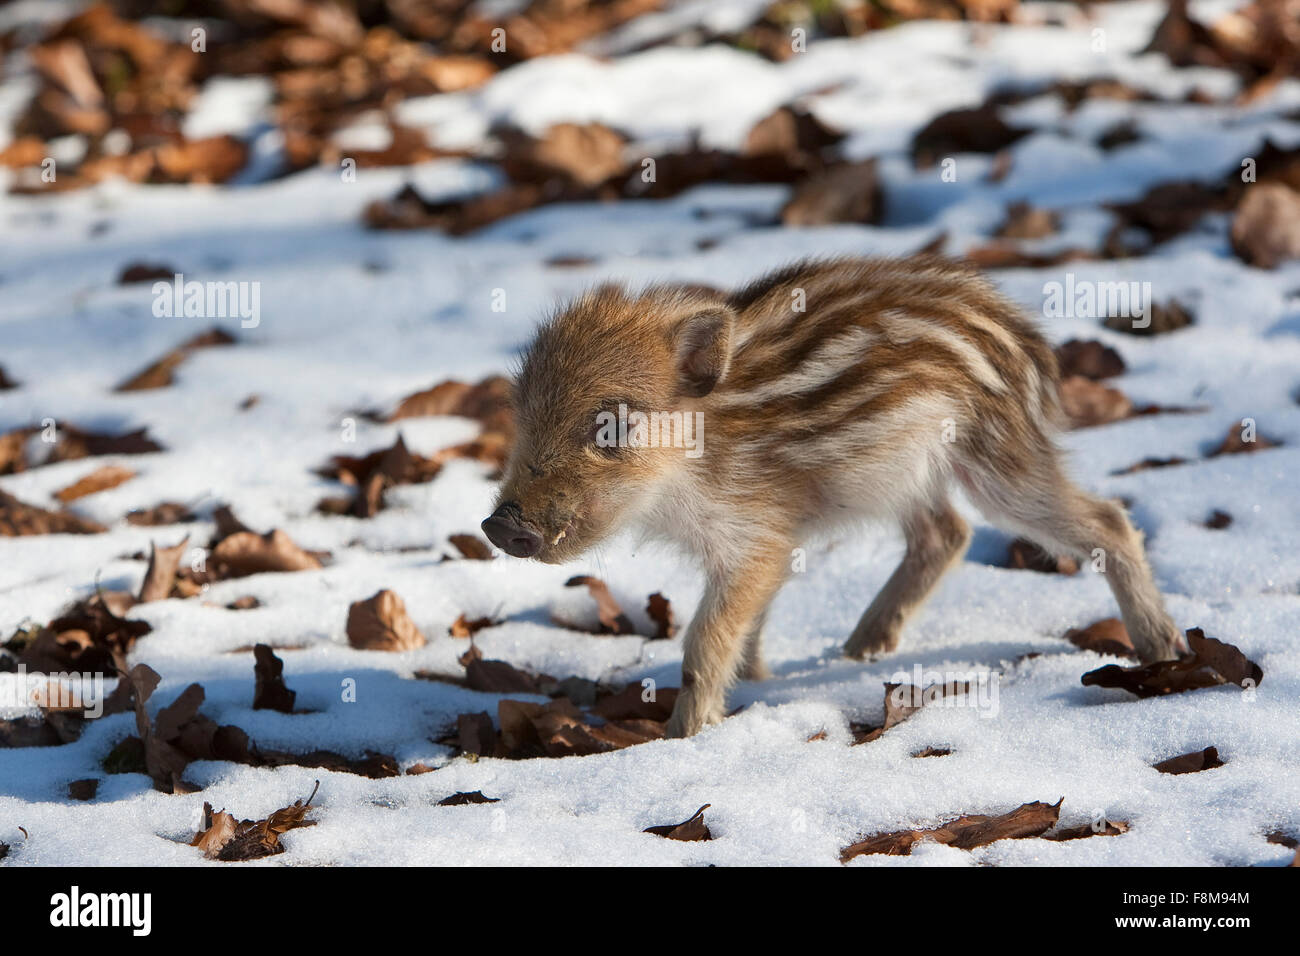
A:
(574, 474)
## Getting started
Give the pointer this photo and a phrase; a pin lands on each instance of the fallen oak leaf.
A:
(965, 833)
(91, 636)
(269, 691)
(472, 547)
(83, 789)
(904, 700)
(901, 702)
(1236, 443)
(160, 576)
(932, 752)
(1265, 229)
(1157, 320)
(1085, 830)
(1226, 659)
(1107, 636)
(1211, 663)
(380, 623)
(17, 518)
(1193, 762)
(498, 677)
(1087, 403)
(246, 552)
(375, 766)
(161, 372)
(252, 840)
(846, 192)
(1147, 464)
(660, 610)
(978, 130)
(612, 618)
(1024, 221)
(145, 272)
(75, 443)
(690, 831)
(463, 799)
(169, 512)
(465, 628)
(1089, 358)
(218, 830)
(101, 479)
(476, 735)
(1218, 520)
(1026, 555)
(635, 702)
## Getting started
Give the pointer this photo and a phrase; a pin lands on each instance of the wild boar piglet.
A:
(743, 426)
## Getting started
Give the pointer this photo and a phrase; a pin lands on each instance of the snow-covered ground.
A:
(354, 319)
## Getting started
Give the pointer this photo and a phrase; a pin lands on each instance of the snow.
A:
(353, 320)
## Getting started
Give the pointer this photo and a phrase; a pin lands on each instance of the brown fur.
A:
(898, 378)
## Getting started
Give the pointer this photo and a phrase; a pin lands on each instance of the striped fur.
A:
(898, 379)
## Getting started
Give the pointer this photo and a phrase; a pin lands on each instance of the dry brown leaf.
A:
(161, 573)
(83, 789)
(979, 130)
(18, 518)
(690, 831)
(269, 690)
(101, 479)
(463, 799)
(1210, 664)
(498, 677)
(1235, 444)
(660, 611)
(1090, 358)
(848, 192)
(1027, 222)
(245, 552)
(90, 636)
(580, 156)
(472, 547)
(218, 830)
(463, 627)
(1107, 636)
(169, 512)
(1025, 555)
(1193, 762)
(1087, 403)
(487, 402)
(1085, 830)
(475, 734)
(635, 702)
(612, 618)
(160, 373)
(1218, 520)
(74, 443)
(965, 833)
(380, 623)
(224, 839)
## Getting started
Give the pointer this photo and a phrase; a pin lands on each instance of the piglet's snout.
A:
(505, 530)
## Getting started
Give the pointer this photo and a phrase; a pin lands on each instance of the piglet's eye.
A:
(603, 436)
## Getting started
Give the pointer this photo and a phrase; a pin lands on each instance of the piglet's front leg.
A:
(734, 599)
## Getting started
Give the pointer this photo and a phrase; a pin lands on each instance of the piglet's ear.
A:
(703, 346)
